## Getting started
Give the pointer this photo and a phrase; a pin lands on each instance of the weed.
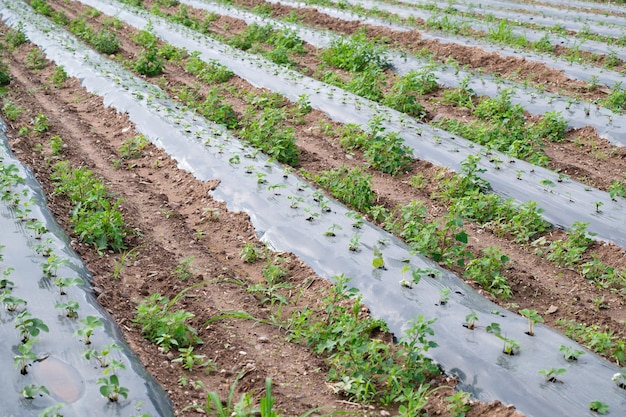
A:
(5, 76)
(15, 37)
(487, 271)
(354, 53)
(268, 133)
(56, 145)
(35, 59)
(184, 270)
(40, 123)
(567, 252)
(160, 325)
(124, 258)
(132, 147)
(188, 359)
(149, 63)
(459, 404)
(105, 42)
(352, 186)
(10, 110)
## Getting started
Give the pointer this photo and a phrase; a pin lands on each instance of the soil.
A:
(176, 219)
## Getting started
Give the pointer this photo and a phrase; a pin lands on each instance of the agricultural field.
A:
(381, 208)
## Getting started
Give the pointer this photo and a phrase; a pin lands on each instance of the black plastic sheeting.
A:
(473, 355)
(578, 114)
(565, 203)
(70, 378)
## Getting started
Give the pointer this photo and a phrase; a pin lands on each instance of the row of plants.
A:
(500, 32)
(466, 194)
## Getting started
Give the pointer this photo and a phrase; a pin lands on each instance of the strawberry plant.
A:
(90, 324)
(533, 318)
(25, 356)
(552, 373)
(29, 326)
(599, 407)
(65, 283)
(31, 391)
(70, 307)
(111, 389)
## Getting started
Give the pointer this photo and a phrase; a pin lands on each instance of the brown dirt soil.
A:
(168, 208)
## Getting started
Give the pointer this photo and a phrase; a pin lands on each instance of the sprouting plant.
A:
(37, 227)
(533, 317)
(184, 269)
(547, 184)
(11, 110)
(493, 328)
(551, 374)
(25, 356)
(331, 230)
(65, 283)
(132, 147)
(599, 407)
(378, 262)
(35, 59)
(52, 411)
(56, 145)
(487, 271)
(444, 296)
(101, 354)
(58, 76)
(149, 63)
(31, 391)
(250, 253)
(570, 353)
(52, 265)
(111, 389)
(355, 243)
(124, 258)
(29, 326)
(90, 324)
(189, 359)
(471, 320)
(459, 404)
(44, 248)
(10, 301)
(620, 378)
(358, 219)
(598, 204)
(70, 307)
(15, 36)
(511, 346)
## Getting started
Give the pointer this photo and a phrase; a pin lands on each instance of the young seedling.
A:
(378, 262)
(250, 253)
(65, 283)
(111, 389)
(11, 302)
(493, 328)
(188, 359)
(71, 309)
(599, 407)
(29, 326)
(52, 411)
(444, 296)
(25, 356)
(511, 346)
(102, 354)
(533, 318)
(355, 244)
(331, 230)
(31, 391)
(90, 322)
(184, 269)
(598, 204)
(52, 265)
(570, 353)
(547, 184)
(471, 320)
(551, 374)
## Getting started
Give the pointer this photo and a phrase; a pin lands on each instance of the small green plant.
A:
(132, 147)
(444, 296)
(119, 266)
(31, 391)
(487, 271)
(511, 346)
(188, 359)
(493, 328)
(570, 353)
(149, 63)
(331, 230)
(184, 270)
(459, 404)
(11, 302)
(65, 283)
(355, 243)
(599, 407)
(101, 355)
(378, 262)
(58, 76)
(250, 253)
(11, 110)
(552, 373)
(533, 318)
(598, 204)
(29, 326)
(25, 356)
(35, 59)
(470, 320)
(620, 378)
(90, 324)
(56, 145)
(111, 389)
(52, 411)
(70, 307)
(15, 36)
(105, 42)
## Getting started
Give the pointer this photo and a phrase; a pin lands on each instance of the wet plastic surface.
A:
(61, 368)
(474, 355)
